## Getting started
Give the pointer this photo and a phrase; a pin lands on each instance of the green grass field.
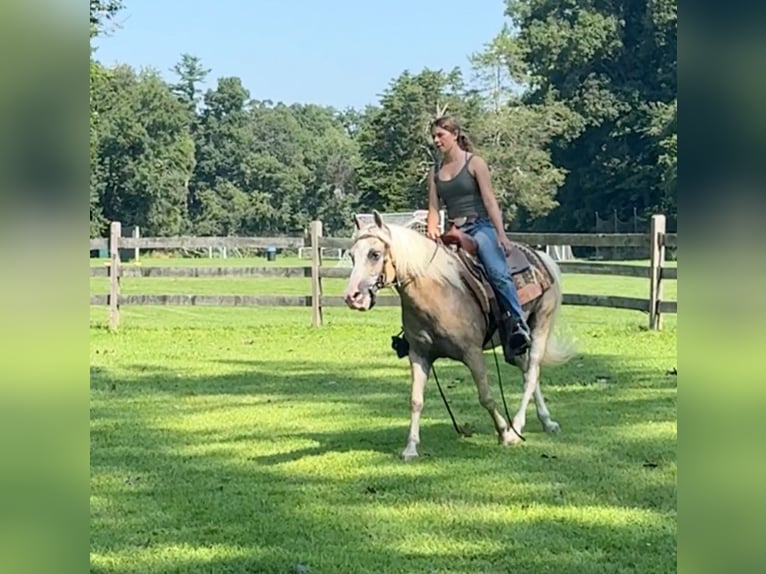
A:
(243, 440)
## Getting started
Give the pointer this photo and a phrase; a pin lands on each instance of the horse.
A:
(444, 317)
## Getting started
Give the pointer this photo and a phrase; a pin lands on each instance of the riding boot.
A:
(515, 336)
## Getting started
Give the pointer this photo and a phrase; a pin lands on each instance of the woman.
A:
(462, 182)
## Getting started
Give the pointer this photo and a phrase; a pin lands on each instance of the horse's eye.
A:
(374, 255)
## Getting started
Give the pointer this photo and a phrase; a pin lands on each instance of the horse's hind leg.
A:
(475, 362)
(531, 376)
(419, 367)
(543, 414)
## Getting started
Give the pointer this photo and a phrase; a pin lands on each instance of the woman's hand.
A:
(505, 244)
(432, 232)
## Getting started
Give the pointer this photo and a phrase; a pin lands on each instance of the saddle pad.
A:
(534, 280)
(517, 260)
(527, 287)
(530, 276)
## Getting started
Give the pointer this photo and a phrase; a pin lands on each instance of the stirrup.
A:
(516, 340)
(519, 341)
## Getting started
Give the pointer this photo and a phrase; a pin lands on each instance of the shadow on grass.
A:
(600, 497)
(187, 514)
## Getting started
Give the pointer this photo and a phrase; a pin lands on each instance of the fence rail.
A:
(344, 272)
(203, 272)
(615, 302)
(207, 242)
(655, 242)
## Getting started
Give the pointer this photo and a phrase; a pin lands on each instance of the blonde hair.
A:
(451, 124)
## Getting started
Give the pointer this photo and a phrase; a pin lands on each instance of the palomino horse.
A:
(443, 317)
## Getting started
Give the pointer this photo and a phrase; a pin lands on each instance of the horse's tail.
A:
(559, 348)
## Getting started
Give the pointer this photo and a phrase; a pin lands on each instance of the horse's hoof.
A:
(408, 456)
(552, 427)
(510, 438)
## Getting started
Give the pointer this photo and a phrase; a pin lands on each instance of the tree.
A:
(218, 199)
(190, 74)
(664, 130)
(102, 13)
(97, 179)
(394, 140)
(145, 154)
(514, 137)
(331, 158)
(610, 63)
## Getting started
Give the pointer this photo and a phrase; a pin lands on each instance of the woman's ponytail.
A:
(465, 143)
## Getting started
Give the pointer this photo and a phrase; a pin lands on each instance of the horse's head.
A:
(371, 258)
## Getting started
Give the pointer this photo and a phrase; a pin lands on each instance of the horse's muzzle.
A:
(360, 300)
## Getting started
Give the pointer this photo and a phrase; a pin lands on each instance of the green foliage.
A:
(97, 180)
(145, 152)
(218, 197)
(611, 64)
(664, 130)
(102, 13)
(332, 158)
(572, 104)
(395, 141)
(270, 169)
(191, 73)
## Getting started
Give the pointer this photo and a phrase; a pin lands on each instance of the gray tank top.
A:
(461, 195)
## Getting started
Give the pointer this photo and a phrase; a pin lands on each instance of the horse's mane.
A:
(414, 255)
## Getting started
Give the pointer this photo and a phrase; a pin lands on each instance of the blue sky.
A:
(340, 53)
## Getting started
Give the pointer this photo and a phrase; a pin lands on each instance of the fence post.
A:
(315, 233)
(115, 232)
(657, 258)
(136, 250)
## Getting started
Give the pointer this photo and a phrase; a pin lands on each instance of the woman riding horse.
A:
(462, 183)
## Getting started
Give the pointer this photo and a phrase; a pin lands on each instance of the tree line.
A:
(573, 104)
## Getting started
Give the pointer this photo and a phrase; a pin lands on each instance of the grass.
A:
(242, 440)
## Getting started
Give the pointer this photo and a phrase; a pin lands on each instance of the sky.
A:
(340, 53)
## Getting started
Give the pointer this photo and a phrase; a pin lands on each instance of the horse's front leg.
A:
(420, 367)
(475, 362)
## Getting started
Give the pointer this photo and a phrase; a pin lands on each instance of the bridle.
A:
(388, 276)
(383, 280)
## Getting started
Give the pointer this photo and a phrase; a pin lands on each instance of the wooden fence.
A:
(655, 243)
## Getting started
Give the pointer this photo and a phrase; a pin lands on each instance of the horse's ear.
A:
(378, 218)
(356, 222)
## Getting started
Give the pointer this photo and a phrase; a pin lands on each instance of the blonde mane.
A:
(414, 255)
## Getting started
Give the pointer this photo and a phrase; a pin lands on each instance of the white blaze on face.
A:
(367, 256)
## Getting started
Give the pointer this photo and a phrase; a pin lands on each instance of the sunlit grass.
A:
(243, 440)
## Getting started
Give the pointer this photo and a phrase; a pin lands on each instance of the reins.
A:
(502, 394)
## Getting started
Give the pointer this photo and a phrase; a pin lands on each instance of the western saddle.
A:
(529, 274)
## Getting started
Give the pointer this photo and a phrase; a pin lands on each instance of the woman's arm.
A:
(481, 173)
(432, 220)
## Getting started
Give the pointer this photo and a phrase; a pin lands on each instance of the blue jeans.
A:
(492, 257)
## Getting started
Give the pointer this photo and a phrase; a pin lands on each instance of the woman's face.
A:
(443, 139)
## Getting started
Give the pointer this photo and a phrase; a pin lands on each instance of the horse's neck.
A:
(413, 293)
(418, 283)
(429, 258)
